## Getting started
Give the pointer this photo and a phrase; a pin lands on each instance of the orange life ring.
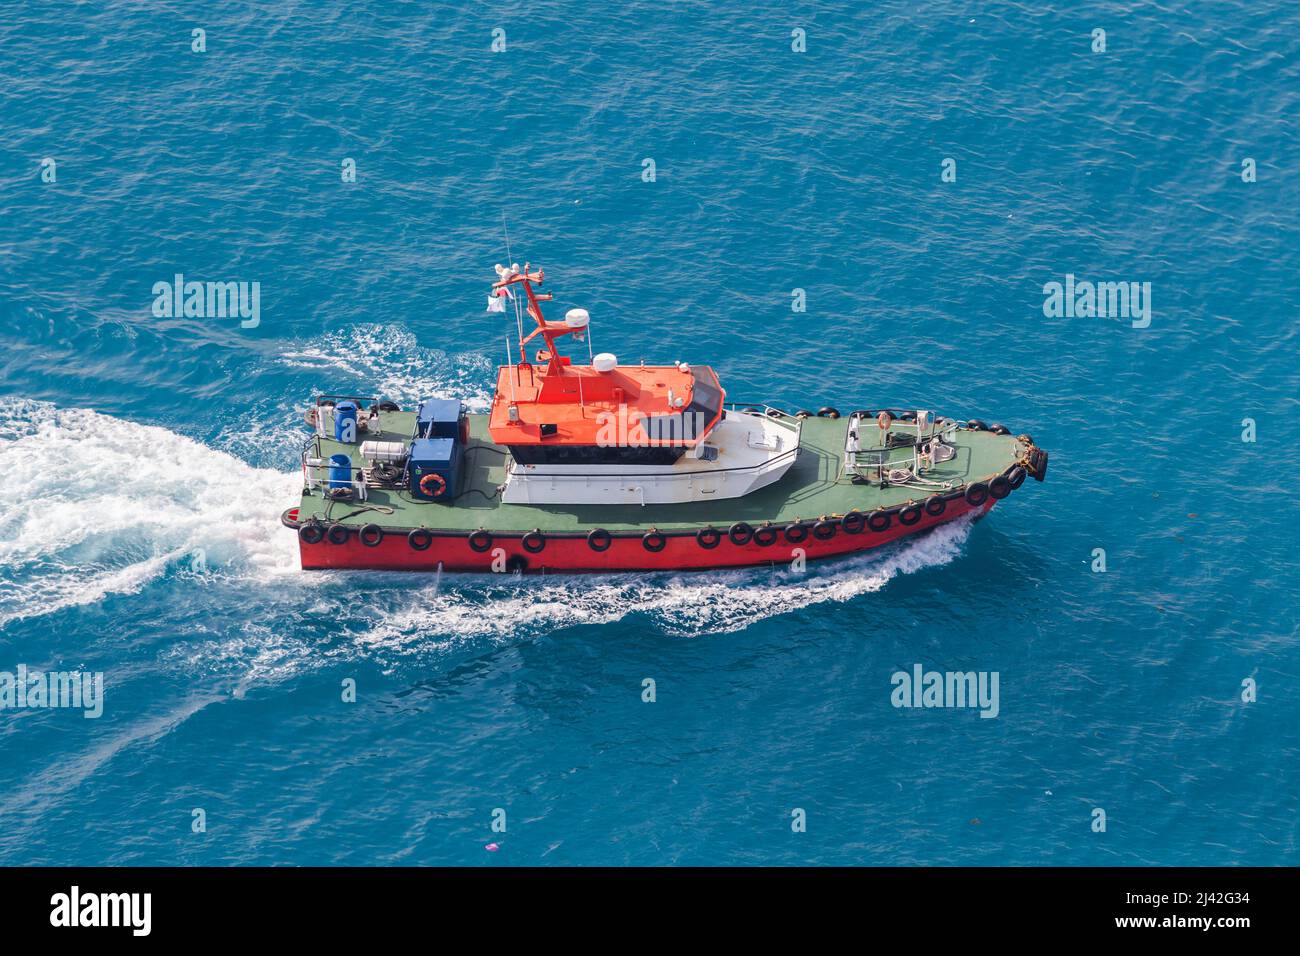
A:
(433, 478)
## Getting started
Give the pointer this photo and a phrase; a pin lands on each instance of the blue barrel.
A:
(340, 471)
(345, 422)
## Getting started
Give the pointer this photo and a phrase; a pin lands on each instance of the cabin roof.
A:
(580, 406)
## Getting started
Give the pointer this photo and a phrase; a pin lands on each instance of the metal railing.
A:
(860, 459)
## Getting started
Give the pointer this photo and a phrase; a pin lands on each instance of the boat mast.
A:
(549, 331)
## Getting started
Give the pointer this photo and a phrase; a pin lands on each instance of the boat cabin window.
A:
(693, 420)
(595, 455)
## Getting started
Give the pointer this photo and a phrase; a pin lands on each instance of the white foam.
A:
(687, 604)
(95, 505)
(389, 362)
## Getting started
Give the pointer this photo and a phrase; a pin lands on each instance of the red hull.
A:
(573, 554)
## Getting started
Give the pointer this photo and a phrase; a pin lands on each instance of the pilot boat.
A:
(600, 466)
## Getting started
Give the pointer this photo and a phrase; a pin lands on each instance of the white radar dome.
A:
(577, 318)
(604, 362)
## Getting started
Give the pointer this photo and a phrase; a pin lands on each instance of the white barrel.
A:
(386, 451)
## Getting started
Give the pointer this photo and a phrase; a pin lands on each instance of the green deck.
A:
(810, 489)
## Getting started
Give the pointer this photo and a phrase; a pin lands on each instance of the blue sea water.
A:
(144, 461)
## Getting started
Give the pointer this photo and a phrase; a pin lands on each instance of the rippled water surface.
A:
(145, 460)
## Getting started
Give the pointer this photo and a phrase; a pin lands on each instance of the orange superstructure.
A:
(554, 402)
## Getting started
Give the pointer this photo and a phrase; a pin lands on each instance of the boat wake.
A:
(96, 506)
(99, 507)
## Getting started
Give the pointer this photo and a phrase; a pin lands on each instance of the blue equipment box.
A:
(432, 468)
(438, 418)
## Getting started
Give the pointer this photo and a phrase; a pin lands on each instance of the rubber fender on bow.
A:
(1038, 463)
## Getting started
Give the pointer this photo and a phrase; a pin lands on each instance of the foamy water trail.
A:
(394, 365)
(685, 605)
(95, 506)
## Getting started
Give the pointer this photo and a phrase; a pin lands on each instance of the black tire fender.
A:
(480, 540)
(977, 494)
(708, 538)
(312, 532)
(371, 535)
(534, 541)
(910, 514)
(824, 529)
(740, 533)
(598, 539)
(419, 540)
(654, 541)
(853, 522)
(879, 521)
